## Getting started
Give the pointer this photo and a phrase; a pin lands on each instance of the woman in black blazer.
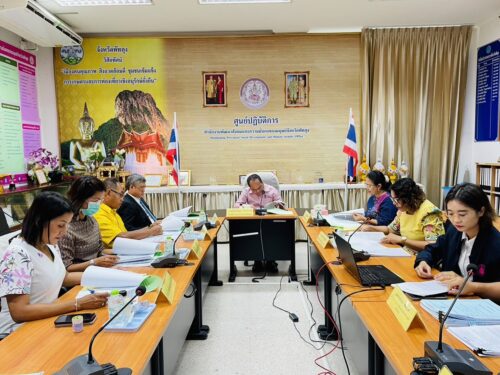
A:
(471, 239)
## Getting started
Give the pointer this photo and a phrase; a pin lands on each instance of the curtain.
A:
(413, 93)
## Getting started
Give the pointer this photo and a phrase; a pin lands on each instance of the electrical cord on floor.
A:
(256, 279)
(336, 329)
(311, 315)
(339, 305)
(294, 318)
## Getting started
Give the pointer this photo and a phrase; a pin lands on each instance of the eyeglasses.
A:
(395, 200)
(369, 185)
(121, 195)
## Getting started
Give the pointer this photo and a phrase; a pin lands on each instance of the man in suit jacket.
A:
(134, 211)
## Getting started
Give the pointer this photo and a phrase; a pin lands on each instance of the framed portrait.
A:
(154, 180)
(214, 89)
(41, 177)
(184, 179)
(243, 179)
(296, 89)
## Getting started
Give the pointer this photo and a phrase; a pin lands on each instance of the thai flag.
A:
(173, 152)
(351, 149)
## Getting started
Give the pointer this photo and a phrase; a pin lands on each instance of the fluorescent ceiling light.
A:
(209, 2)
(90, 3)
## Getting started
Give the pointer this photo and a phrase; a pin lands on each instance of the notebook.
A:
(375, 275)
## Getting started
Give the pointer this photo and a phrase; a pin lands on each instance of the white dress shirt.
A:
(464, 260)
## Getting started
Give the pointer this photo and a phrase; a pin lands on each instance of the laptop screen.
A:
(347, 256)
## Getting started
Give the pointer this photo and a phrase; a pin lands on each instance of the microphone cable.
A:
(256, 279)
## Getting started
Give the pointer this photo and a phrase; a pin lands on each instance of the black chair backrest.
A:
(4, 227)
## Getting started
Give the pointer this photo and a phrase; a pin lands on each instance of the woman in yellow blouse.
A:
(418, 221)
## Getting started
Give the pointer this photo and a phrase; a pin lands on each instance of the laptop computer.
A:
(375, 275)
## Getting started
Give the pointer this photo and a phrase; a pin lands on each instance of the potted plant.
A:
(44, 160)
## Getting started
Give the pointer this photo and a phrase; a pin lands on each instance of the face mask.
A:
(92, 208)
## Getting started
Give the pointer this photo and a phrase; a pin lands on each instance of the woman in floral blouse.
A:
(418, 222)
(31, 268)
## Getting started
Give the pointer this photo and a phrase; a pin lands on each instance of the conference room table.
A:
(262, 237)
(153, 349)
(388, 343)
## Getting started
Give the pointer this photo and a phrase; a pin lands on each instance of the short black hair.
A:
(474, 197)
(408, 193)
(82, 189)
(253, 177)
(379, 178)
(46, 206)
(111, 183)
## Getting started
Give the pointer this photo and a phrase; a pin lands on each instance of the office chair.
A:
(269, 178)
(4, 227)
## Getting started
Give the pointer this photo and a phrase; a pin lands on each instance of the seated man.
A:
(257, 194)
(134, 211)
(111, 224)
(260, 195)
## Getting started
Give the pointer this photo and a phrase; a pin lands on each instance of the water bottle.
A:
(115, 303)
(202, 216)
(169, 245)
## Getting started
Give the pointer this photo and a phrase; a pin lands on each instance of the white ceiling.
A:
(182, 16)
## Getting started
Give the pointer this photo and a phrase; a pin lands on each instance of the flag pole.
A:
(346, 177)
(178, 157)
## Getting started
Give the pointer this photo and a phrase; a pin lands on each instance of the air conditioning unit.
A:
(34, 23)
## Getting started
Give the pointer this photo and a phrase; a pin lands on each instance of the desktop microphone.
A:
(205, 222)
(85, 364)
(457, 361)
(368, 218)
(170, 260)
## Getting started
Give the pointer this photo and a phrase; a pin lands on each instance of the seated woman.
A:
(380, 210)
(418, 222)
(82, 246)
(471, 239)
(32, 271)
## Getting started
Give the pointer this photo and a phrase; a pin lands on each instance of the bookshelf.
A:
(488, 178)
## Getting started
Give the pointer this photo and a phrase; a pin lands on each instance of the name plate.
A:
(307, 217)
(204, 230)
(168, 288)
(235, 212)
(403, 309)
(445, 371)
(324, 240)
(196, 249)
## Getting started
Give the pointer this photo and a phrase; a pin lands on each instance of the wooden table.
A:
(38, 345)
(386, 336)
(266, 237)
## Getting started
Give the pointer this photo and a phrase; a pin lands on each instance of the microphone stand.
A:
(85, 363)
(457, 361)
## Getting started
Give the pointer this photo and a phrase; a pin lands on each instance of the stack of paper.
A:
(100, 279)
(483, 340)
(423, 288)
(127, 246)
(370, 242)
(279, 211)
(347, 215)
(465, 312)
(172, 223)
(341, 223)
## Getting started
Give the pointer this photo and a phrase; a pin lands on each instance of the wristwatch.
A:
(92, 262)
(403, 238)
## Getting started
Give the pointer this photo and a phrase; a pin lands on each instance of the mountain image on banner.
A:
(139, 128)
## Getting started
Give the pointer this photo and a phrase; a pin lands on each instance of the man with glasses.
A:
(111, 224)
(134, 211)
